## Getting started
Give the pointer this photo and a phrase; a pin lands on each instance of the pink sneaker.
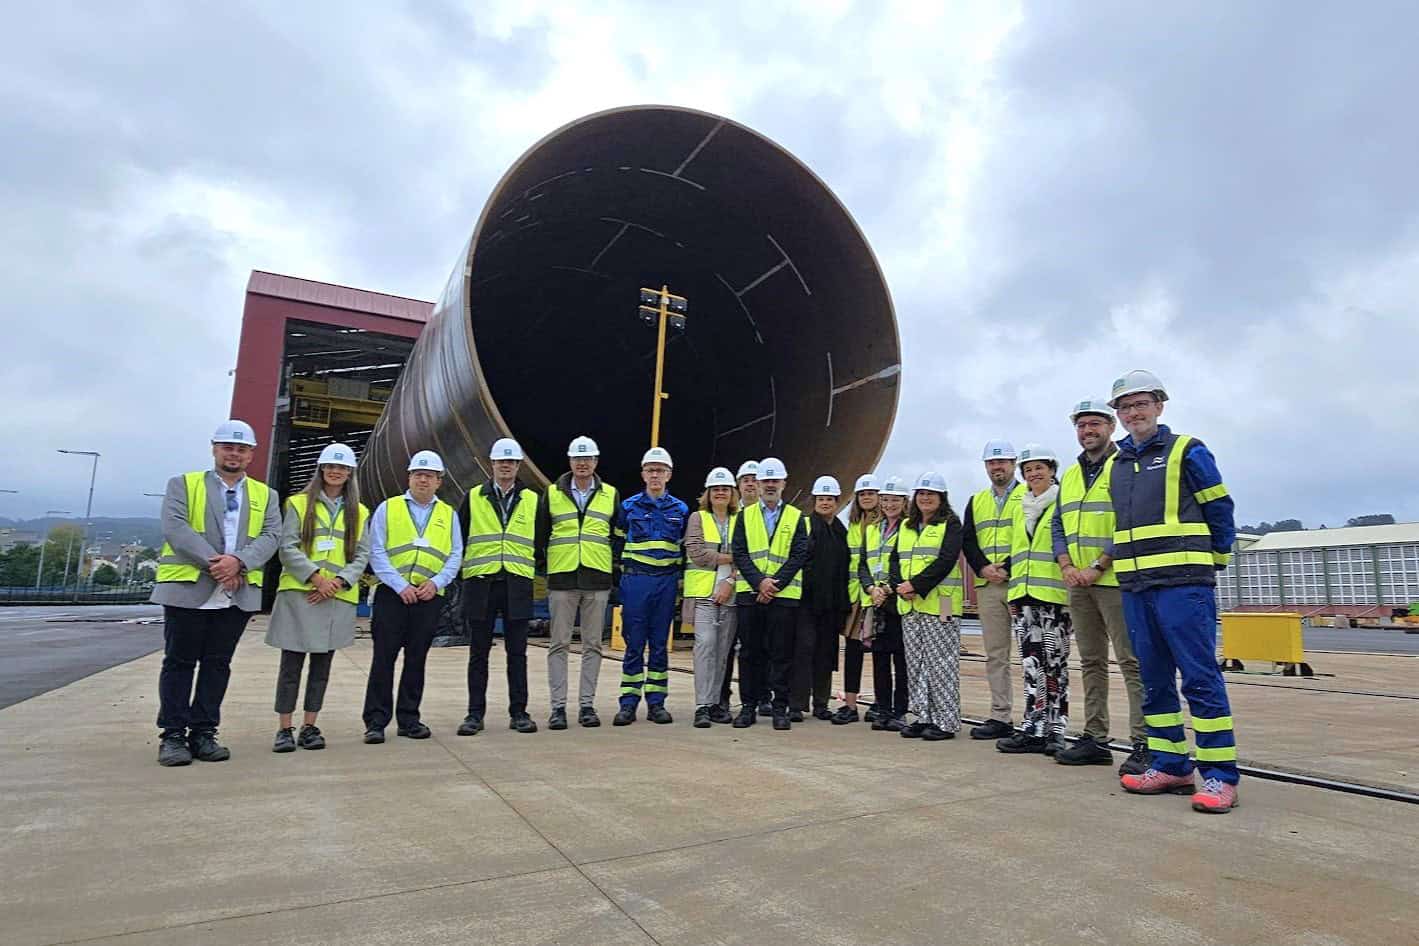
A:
(1216, 797)
(1154, 782)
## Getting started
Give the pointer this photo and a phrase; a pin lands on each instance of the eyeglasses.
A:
(1135, 405)
(232, 504)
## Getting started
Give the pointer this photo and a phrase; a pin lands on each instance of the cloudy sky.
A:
(1225, 193)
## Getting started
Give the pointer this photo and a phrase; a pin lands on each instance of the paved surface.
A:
(42, 648)
(655, 834)
(1351, 640)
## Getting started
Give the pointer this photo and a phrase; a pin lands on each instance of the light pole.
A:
(44, 543)
(89, 509)
(659, 307)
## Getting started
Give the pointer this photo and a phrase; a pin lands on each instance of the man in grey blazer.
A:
(219, 529)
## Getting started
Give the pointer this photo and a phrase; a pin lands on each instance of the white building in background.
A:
(1348, 570)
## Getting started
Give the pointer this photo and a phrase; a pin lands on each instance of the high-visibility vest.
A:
(328, 552)
(1087, 514)
(1161, 536)
(258, 495)
(580, 540)
(491, 547)
(917, 550)
(699, 582)
(864, 543)
(769, 556)
(992, 530)
(1033, 568)
(417, 558)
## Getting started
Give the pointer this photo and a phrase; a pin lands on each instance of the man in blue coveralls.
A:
(653, 523)
(1173, 531)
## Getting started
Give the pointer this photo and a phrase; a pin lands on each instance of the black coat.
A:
(825, 573)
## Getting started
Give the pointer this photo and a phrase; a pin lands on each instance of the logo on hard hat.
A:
(1118, 384)
(997, 451)
(581, 448)
(507, 451)
(338, 455)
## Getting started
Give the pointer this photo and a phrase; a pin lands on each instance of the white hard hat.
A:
(931, 480)
(748, 468)
(719, 476)
(505, 448)
(998, 450)
(826, 486)
(771, 468)
(657, 455)
(866, 481)
(1037, 452)
(894, 485)
(337, 454)
(583, 447)
(1091, 405)
(1137, 381)
(426, 460)
(234, 431)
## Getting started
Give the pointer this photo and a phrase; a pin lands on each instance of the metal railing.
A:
(123, 592)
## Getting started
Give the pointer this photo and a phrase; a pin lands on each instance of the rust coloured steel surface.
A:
(790, 350)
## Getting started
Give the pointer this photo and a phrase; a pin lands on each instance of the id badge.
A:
(324, 545)
(421, 543)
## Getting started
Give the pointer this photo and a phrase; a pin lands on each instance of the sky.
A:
(1225, 194)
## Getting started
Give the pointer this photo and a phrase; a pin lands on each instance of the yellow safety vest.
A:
(864, 544)
(490, 547)
(769, 557)
(699, 582)
(1088, 517)
(258, 495)
(580, 540)
(328, 555)
(417, 558)
(915, 551)
(992, 531)
(1033, 569)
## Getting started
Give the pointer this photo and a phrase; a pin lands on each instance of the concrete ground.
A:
(659, 834)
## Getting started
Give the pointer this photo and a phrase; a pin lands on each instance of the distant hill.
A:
(109, 530)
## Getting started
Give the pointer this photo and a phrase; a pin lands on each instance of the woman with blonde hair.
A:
(324, 550)
(709, 592)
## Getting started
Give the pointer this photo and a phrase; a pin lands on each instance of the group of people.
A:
(1119, 551)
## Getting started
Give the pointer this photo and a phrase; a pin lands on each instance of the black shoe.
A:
(882, 723)
(766, 708)
(719, 714)
(588, 718)
(1020, 743)
(374, 737)
(310, 737)
(912, 731)
(845, 715)
(1085, 752)
(746, 718)
(624, 716)
(872, 714)
(822, 713)
(657, 713)
(702, 717)
(936, 734)
(472, 725)
(416, 731)
(285, 741)
(173, 750)
(1139, 761)
(558, 719)
(522, 724)
(205, 747)
(795, 716)
(992, 729)
(783, 722)
(1055, 744)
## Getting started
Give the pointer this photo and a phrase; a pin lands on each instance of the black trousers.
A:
(815, 657)
(766, 633)
(397, 626)
(288, 680)
(729, 660)
(196, 643)
(852, 665)
(480, 635)
(889, 666)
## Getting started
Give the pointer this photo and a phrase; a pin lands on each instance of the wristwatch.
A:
(1097, 565)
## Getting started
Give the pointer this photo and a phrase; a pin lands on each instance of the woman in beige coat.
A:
(709, 592)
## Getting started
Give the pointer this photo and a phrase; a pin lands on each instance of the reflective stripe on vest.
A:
(580, 540)
(1088, 517)
(329, 560)
(1161, 535)
(864, 541)
(992, 528)
(258, 495)
(917, 550)
(417, 558)
(490, 548)
(769, 556)
(699, 582)
(1034, 572)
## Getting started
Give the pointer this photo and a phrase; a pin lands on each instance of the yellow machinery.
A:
(1264, 636)
(318, 404)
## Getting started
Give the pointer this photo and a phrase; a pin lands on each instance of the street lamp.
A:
(44, 543)
(659, 307)
(89, 509)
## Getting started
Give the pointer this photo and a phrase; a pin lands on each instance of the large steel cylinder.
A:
(790, 348)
